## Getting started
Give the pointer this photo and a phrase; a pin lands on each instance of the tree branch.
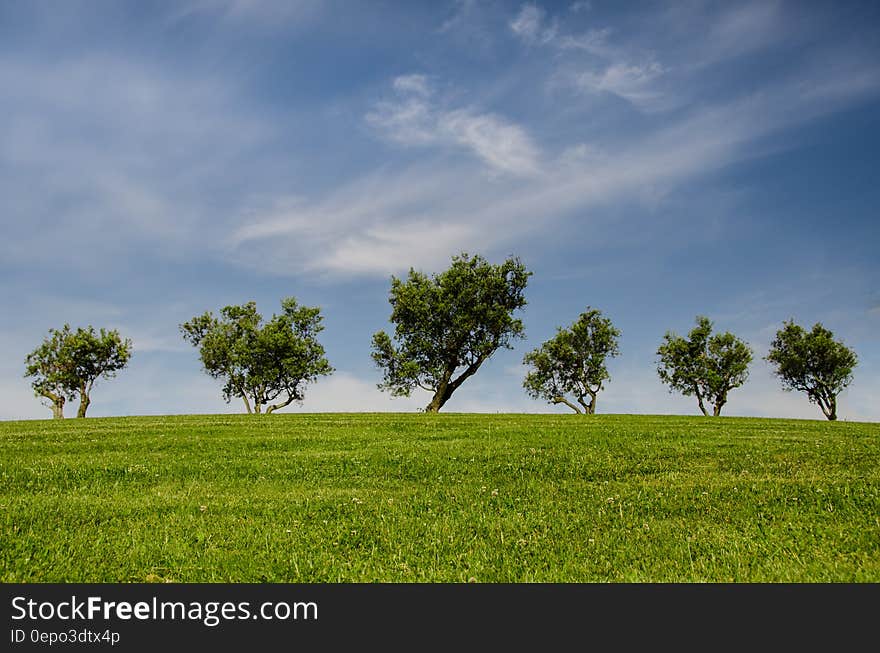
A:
(274, 407)
(469, 371)
(563, 400)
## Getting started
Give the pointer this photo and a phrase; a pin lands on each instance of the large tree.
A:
(812, 362)
(573, 362)
(68, 363)
(261, 363)
(447, 325)
(704, 365)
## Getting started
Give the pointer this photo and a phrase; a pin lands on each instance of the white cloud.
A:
(859, 401)
(617, 75)
(17, 400)
(194, 392)
(418, 216)
(504, 146)
(638, 390)
(378, 224)
(631, 82)
(411, 119)
(529, 25)
(344, 392)
(594, 41)
(380, 248)
(415, 84)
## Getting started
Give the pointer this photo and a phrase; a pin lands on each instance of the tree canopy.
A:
(704, 365)
(261, 363)
(447, 325)
(812, 362)
(68, 363)
(573, 362)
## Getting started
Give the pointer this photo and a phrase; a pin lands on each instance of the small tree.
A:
(812, 362)
(49, 365)
(261, 363)
(68, 363)
(573, 362)
(703, 365)
(448, 325)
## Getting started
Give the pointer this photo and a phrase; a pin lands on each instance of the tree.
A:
(448, 325)
(573, 362)
(68, 363)
(261, 363)
(49, 364)
(707, 366)
(812, 362)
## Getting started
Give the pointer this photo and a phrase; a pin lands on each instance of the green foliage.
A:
(50, 367)
(330, 498)
(573, 362)
(448, 322)
(704, 365)
(812, 362)
(261, 363)
(68, 363)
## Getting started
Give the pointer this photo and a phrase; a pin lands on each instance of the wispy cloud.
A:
(413, 118)
(396, 218)
(631, 82)
(617, 72)
(414, 84)
(530, 25)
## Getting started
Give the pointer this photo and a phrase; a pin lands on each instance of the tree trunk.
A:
(700, 402)
(57, 404)
(84, 402)
(716, 411)
(247, 404)
(832, 409)
(589, 408)
(441, 396)
(828, 405)
(447, 387)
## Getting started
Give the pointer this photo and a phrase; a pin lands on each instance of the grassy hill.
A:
(439, 498)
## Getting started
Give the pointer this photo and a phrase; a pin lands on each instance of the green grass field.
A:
(439, 498)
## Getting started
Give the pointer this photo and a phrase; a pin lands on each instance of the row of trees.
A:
(445, 327)
(570, 367)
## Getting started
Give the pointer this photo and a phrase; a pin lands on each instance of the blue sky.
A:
(656, 161)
